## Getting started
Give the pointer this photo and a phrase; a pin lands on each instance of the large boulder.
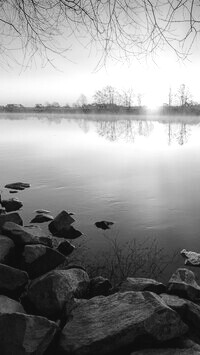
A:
(10, 217)
(183, 284)
(103, 325)
(38, 259)
(17, 185)
(8, 305)
(191, 258)
(62, 245)
(99, 286)
(142, 284)
(7, 250)
(25, 235)
(12, 204)
(12, 281)
(23, 334)
(50, 293)
(61, 224)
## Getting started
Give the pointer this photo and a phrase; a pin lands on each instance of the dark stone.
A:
(71, 233)
(61, 224)
(62, 245)
(26, 235)
(8, 305)
(10, 217)
(104, 325)
(41, 218)
(12, 204)
(99, 286)
(183, 284)
(2, 210)
(179, 347)
(50, 293)
(12, 281)
(142, 284)
(23, 334)
(39, 259)
(7, 250)
(13, 191)
(17, 186)
(104, 224)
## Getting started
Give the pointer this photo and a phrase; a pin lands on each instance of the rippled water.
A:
(142, 175)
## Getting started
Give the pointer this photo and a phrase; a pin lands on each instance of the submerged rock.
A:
(39, 259)
(23, 334)
(191, 258)
(12, 204)
(17, 186)
(41, 218)
(103, 325)
(26, 235)
(104, 224)
(183, 284)
(7, 248)
(61, 224)
(52, 292)
(12, 281)
(10, 217)
(142, 284)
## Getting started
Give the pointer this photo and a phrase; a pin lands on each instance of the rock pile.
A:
(49, 310)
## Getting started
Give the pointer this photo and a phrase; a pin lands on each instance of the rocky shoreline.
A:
(50, 306)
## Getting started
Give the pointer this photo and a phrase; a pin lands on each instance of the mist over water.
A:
(142, 175)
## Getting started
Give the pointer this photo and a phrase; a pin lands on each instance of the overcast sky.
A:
(76, 75)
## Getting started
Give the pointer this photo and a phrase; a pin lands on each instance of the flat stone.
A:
(103, 224)
(62, 245)
(183, 284)
(8, 305)
(12, 204)
(10, 217)
(25, 235)
(7, 249)
(17, 186)
(99, 286)
(41, 218)
(61, 224)
(191, 258)
(23, 334)
(12, 281)
(103, 325)
(142, 284)
(52, 292)
(39, 259)
(42, 211)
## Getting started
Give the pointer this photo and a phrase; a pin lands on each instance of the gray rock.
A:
(7, 249)
(25, 235)
(8, 305)
(10, 217)
(99, 286)
(12, 281)
(41, 218)
(17, 186)
(23, 334)
(191, 258)
(39, 259)
(52, 292)
(142, 284)
(183, 284)
(61, 224)
(188, 310)
(12, 204)
(103, 325)
(62, 245)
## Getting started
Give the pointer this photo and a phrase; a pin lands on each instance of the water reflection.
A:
(179, 133)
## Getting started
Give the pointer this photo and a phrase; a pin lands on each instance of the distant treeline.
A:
(106, 108)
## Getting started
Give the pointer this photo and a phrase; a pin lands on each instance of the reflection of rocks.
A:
(17, 186)
(12, 204)
(103, 224)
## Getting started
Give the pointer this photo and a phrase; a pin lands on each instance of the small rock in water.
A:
(72, 233)
(12, 204)
(41, 218)
(13, 191)
(61, 224)
(17, 185)
(42, 211)
(104, 224)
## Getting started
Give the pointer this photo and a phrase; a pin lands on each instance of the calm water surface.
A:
(142, 175)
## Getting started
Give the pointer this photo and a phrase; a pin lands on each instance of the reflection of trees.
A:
(178, 133)
(125, 130)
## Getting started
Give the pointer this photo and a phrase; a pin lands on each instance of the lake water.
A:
(143, 175)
